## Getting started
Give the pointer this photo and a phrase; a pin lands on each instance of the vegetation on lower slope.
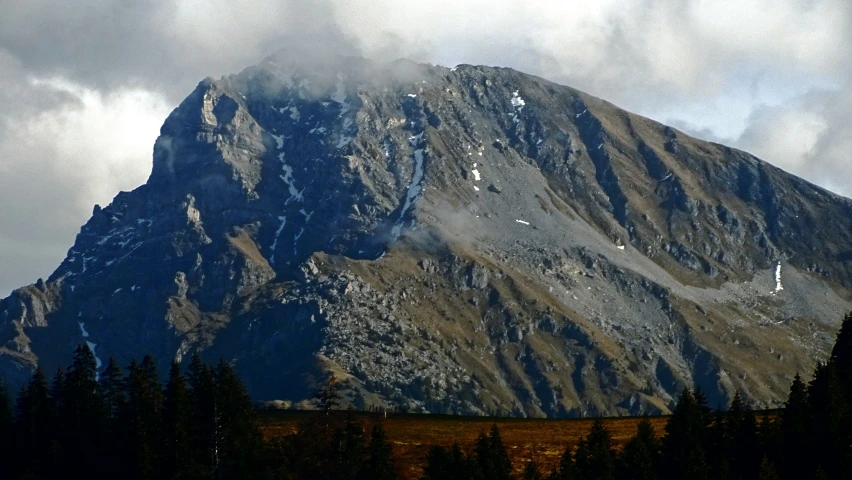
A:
(203, 425)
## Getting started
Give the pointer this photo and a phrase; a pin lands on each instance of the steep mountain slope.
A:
(473, 240)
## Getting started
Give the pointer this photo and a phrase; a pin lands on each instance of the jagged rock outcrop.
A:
(469, 240)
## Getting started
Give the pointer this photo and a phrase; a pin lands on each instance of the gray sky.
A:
(85, 89)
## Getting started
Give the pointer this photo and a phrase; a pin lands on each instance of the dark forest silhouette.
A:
(201, 424)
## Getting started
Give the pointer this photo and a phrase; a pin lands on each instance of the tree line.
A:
(201, 424)
(809, 439)
(117, 425)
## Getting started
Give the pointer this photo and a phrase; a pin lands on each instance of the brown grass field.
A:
(412, 434)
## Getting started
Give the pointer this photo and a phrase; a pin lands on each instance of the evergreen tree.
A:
(346, 452)
(34, 427)
(238, 440)
(61, 425)
(641, 455)
(113, 393)
(176, 415)
(794, 425)
(141, 419)
(531, 471)
(567, 469)
(717, 448)
(379, 464)
(83, 413)
(703, 405)
(828, 417)
(595, 456)
(7, 416)
(841, 359)
(446, 464)
(328, 396)
(311, 447)
(7, 432)
(684, 453)
(490, 459)
(841, 353)
(742, 445)
(205, 453)
(112, 389)
(770, 439)
(57, 393)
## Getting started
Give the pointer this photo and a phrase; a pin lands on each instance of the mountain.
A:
(470, 240)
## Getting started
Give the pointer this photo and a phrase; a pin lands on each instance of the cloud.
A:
(807, 136)
(79, 148)
(85, 88)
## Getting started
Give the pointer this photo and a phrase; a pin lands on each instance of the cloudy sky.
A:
(83, 90)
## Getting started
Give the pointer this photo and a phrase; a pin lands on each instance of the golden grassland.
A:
(412, 435)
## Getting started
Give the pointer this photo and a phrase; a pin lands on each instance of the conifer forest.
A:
(199, 423)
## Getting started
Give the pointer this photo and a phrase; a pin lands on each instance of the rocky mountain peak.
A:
(469, 240)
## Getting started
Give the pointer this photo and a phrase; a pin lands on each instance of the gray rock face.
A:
(473, 240)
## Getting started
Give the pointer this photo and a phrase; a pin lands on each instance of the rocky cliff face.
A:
(470, 240)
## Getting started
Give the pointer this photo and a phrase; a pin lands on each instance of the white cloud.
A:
(57, 163)
(788, 136)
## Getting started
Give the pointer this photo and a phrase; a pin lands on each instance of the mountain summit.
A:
(470, 240)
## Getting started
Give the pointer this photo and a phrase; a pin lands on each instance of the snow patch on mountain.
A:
(275, 240)
(517, 101)
(287, 178)
(414, 188)
(778, 286)
(98, 362)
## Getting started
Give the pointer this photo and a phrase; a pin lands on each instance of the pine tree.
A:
(7, 432)
(328, 396)
(113, 442)
(490, 460)
(141, 419)
(741, 440)
(567, 469)
(828, 416)
(794, 425)
(595, 456)
(379, 464)
(684, 444)
(641, 455)
(531, 471)
(841, 359)
(58, 394)
(176, 417)
(112, 389)
(83, 413)
(717, 450)
(62, 426)
(346, 450)
(34, 427)
(770, 439)
(446, 464)
(841, 353)
(238, 437)
(205, 450)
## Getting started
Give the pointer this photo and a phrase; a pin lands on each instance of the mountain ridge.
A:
(470, 240)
